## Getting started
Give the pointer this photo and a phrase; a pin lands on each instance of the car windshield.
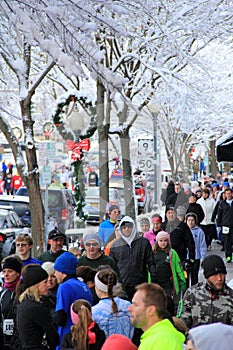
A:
(54, 198)
(19, 207)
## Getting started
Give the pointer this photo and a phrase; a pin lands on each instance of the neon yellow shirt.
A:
(162, 336)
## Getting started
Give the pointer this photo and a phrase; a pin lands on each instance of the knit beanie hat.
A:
(48, 266)
(33, 274)
(163, 234)
(12, 264)
(181, 211)
(212, 265)
(120, 341)
(145, 221)
(92, 237)
(66, 263)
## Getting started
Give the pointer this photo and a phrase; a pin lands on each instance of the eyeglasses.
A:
(21, 244)
(94, 244)
(127, 225)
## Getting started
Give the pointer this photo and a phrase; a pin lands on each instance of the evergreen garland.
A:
(79, 186)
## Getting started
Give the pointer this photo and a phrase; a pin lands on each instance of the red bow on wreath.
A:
(77, 148)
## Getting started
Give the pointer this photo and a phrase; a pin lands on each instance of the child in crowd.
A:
(85, 334)
(169, 272)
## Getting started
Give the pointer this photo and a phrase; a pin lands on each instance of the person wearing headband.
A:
(111, 313)
(85, 333)
(157, 223)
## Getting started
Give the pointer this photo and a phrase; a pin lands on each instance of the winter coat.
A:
(178, 278)
(177, 199)
(112, 323)
(162, 336)
(105, 230)
(181, 238)
(225, 214)
(199, 306)
(33, 322)
(7, 299)
(133, 255)
(100, 339)
(208, 206)
(212, 336)
(151, 236)
(200, 243)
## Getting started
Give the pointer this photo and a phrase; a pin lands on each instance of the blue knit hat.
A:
(66, 263)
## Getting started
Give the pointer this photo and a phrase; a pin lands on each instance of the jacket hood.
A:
(129, 239)
(213, 336)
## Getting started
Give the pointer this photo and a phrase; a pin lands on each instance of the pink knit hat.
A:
(163, 234)
(120, 341)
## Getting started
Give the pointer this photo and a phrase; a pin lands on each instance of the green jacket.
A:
(162, 336)
(179, 281)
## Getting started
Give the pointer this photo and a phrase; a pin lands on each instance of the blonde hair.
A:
(79, 331)
(32, 292)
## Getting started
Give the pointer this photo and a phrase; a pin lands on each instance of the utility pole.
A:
(155, 120)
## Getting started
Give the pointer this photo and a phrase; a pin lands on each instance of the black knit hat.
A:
(33, 274)
(12, 264)
(212, 265)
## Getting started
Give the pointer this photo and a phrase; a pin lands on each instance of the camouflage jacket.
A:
(200, 308)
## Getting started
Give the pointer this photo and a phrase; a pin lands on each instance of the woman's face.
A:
(10, 275)
(191, 222)
(43, 287)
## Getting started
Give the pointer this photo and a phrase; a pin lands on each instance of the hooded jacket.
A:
(212, 336)
(133, 255)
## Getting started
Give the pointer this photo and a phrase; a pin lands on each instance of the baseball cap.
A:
(55, 234)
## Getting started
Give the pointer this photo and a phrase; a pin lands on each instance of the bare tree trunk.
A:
(127, 170)
(36, 204)
(212, 158)
(103, 129)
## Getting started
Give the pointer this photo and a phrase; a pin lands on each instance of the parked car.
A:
(10, 227)
(20, 204)
(61, 206)
(93, 214)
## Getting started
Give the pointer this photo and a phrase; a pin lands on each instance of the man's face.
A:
(228, 195)
(127, 228)
(177, 188)
(192, 199)
(171, 215)
(92, 249)
(113, 215)
(137, 310)
(205, 195)
(56, 244)
(157, 226)
(23, 248)
(217, 281)
(59, 276)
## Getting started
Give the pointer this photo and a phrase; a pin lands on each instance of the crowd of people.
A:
(137, 289)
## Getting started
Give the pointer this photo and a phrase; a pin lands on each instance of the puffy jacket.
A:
(133, 256)
(208, 206)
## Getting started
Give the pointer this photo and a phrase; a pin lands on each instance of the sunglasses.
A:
(21, 244)
(94, 244)
(127, 225)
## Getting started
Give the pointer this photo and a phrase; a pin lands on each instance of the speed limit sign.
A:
(146, 164)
